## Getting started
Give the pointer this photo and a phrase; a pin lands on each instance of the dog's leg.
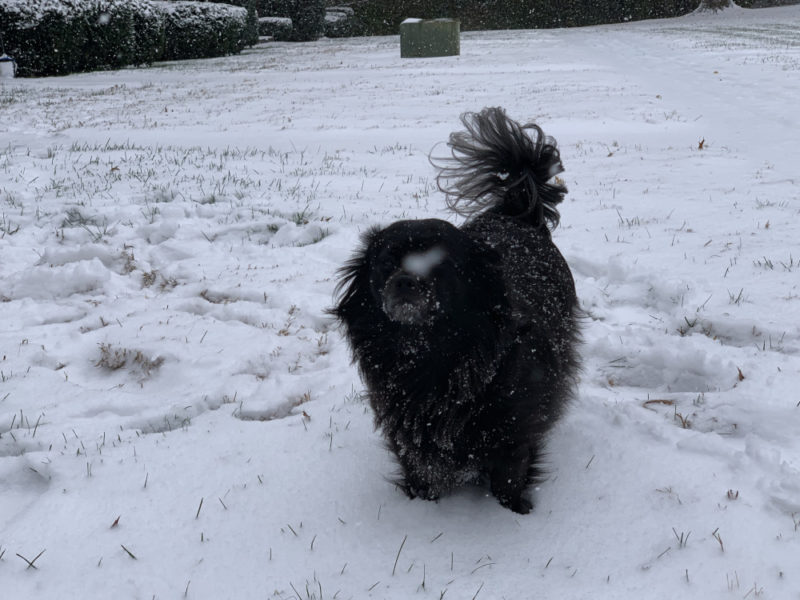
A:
(509, 477)
(419, 478)
(417, 487)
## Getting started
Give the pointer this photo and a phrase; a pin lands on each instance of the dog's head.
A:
(414, 274)
(417, 273)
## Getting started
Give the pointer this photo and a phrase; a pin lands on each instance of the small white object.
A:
(421, 263)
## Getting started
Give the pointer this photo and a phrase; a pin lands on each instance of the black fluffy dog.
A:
(466, 337)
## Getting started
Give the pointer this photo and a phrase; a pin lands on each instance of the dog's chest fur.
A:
(436, 423)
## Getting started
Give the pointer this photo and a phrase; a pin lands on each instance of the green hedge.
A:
(202, 29)
(383, 17)
(340, 22)
(308, 20)
(254, 8)
(279, 28)
(57, 37)
(276, 8)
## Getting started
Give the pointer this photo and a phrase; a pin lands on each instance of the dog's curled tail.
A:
(503, 167)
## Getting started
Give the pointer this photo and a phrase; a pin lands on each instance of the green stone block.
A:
(425, 38)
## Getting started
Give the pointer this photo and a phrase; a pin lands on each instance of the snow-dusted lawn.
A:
(179, 417)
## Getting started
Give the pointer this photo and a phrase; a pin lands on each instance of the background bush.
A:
(383, 17)
(308, 17)
(57, 37)
(202, 29)
(251, 25)
(340, 22)
(308, 20)
(255, 9)
(276, 8)
(279, 28)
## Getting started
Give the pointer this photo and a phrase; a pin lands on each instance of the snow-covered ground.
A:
(179, 417)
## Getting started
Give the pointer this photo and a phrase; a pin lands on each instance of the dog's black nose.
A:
(405, 285)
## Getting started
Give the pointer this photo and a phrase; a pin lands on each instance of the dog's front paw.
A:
(518, 504)
(407, 489)
(424, 493)
(417, 490)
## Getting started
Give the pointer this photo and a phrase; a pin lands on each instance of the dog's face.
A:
(409, 293)
(422, 271)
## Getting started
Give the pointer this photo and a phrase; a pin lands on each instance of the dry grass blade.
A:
(295, 591)
(664, 402)
(478, 592)
(718, 537)
(31, 563)
(488, 564)
(198, 509)
(399, 550)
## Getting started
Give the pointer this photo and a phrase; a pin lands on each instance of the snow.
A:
(421, 263)
(171, 388)
(280, 20)
(29, 13)
(201, 11)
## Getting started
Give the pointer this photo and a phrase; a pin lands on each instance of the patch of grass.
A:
(156, 278)
(302, 217)
(683, 420)
(75, 218)
(7, 227)
(704, 327)
(13, 201)
(735, 298)
(683, 538)
(115, 358)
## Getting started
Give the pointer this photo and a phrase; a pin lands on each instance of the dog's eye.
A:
(385, 263)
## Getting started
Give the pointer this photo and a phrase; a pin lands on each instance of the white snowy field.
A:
(179, 418)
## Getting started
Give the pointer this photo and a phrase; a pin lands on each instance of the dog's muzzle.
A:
(407, 299)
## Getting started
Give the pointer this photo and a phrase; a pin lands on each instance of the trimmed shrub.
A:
(308, 20)
(149, 35)
(383, 17)
(56, 37)
(254, 9)
(250, 37)
(276, 8)
(339, 22)
(280, 28)
(202, 29)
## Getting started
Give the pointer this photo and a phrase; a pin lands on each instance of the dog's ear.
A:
(353, 290)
